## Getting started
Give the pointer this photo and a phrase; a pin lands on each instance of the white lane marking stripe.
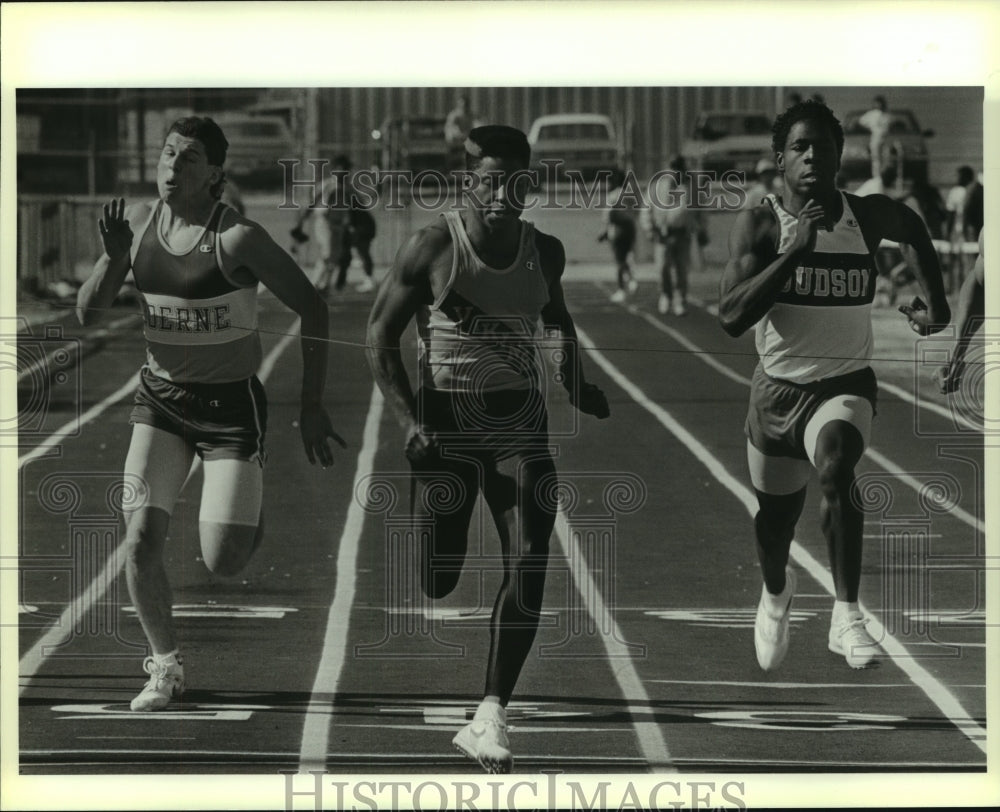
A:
(937, 408)
(935, 691)
(79, 607)
(649, 735)
(876, 456)
(44, 362)
(78, 423)
(316, 730)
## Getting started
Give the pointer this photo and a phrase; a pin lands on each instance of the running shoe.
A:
(770, 631)
(485, 741)
(633, 286)
(618, 296)
(849, 637)
(165, 682)
(366, 286)
(680, 308)
(663, 305)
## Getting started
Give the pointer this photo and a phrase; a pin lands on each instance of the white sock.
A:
(780, 601)
(170, 658)
(842, 609)
(491, 709)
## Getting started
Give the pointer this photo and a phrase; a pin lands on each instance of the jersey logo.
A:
(215, 404)
(205, 248)
(530, 265)
(852, 223)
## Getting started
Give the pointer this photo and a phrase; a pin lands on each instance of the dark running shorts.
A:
(221, 420)
(495, 424)
(780, 410)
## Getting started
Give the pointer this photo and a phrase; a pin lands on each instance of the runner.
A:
(479, 282)
(802, 272)
(197, 264)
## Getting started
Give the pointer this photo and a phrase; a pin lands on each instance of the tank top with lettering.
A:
(481, 332)
(820, 324)
(199, 317)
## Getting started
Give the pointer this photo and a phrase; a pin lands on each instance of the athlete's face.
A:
(810, 160)
(184, 172)
(499, 189)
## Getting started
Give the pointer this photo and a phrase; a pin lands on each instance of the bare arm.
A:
(99, 291)
(755, 275)
(897, 222)
(971, 312)
(402, 293)
(587, 397)
(247, 244)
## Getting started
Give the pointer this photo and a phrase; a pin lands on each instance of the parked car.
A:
(725, 140)
(905, 139)
(256, 143)
(411, 143)
(586, 142)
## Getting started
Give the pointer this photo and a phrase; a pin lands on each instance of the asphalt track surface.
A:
(324, 655)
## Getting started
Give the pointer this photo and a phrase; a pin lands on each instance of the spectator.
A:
(876, 121)
(671, 220)
(884, 183)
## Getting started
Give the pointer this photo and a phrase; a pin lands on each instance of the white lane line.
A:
(77, 424)
(892, 468)
(316, 730)
(81, 605)
(651, 741)
(44, 363)
(875, 456)
(935, 691)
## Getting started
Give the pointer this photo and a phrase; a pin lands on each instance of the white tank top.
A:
(199, 317)
(480, 334)
(820, 325)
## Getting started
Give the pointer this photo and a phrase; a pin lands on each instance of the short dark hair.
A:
(496, 141)
(808, 110)
(205, 130)
(966, 175)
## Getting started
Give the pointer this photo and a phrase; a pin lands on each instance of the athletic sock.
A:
(491, 709)
(170, 658)
(778, 602)
(844, 609)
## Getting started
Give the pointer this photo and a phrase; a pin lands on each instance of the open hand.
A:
(316, 430)
(115, 232)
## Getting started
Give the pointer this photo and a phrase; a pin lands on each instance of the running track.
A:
(315, 658)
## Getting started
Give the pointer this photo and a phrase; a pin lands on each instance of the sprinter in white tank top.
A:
(200, 325)
(801, 272)
(480, 283)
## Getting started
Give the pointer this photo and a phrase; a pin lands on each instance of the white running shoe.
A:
(633, 286)
(680, 308)
(770, 631)
(165, 683)
(485, 741)
(366, 286)
(663, 305)
(618, 296)
(849, 637)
